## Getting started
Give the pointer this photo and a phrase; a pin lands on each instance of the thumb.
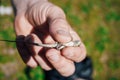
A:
(58, 26)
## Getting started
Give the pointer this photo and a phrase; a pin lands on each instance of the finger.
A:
(64, 66)
(44, 35)
(76, 54)
(24, 53)
(38, 52)
(58, 26)
(22, 29)
(22, 26)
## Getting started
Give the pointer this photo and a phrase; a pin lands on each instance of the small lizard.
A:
(56, 45)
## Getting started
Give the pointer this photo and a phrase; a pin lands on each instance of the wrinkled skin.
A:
(44, 22)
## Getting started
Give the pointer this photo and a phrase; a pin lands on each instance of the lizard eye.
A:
(59, 46)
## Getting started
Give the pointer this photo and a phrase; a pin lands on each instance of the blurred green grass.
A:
(98, 24)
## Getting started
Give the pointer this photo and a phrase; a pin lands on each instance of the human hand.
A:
(43, 22)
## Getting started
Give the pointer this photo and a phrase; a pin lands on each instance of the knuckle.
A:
(18, 19)
(67, 71)
(53, 55)
(46, 68)
(68, 52)
(84, 52)
(65, 68)
(78, 59)
(58, 10)
(82, 55)
(32, 65)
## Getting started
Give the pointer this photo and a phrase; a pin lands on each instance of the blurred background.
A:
(96, 21)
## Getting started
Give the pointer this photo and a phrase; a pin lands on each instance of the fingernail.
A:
(54, 57)
(62, 32)
(63, 36)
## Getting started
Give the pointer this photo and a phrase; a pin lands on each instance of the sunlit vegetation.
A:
(96, 21)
